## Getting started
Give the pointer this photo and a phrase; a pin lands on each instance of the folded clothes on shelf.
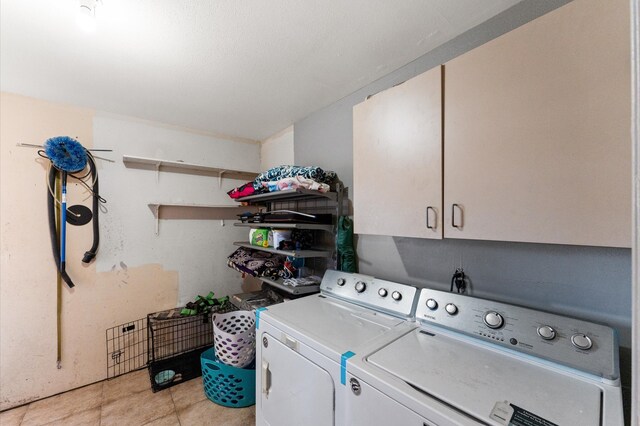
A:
(295, 183)
(304, 281)
(310, 172)
(242, 191)
(256, 263)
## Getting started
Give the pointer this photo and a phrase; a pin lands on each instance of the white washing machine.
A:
(303, 345)
(473, 361)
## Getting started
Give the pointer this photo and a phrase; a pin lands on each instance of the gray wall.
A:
(588, 282)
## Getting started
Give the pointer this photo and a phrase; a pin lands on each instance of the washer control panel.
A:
(582, 345)
(386, 296)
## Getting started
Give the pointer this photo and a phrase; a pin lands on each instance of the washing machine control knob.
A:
(581, 341)
(396, 295)
(451, 309)
(432, 304)
(341, 281)
(493, 319)
(361, 286)
(383, 292)
(546, 332)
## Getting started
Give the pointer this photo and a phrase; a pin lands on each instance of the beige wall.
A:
(277, 149)
(141, 281)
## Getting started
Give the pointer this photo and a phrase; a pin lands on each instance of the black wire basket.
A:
(175, 343)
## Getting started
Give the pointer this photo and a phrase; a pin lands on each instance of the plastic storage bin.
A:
(226, 385)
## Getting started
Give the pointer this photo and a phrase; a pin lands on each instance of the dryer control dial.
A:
(432, 304)
(493, 319)
(361, 286)
(451, 309)
(396, 295)
(546, 332)
(581, 341)
(341, 282)
(383, 292)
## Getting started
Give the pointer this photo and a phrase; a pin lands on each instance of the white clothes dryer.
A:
(302, 346)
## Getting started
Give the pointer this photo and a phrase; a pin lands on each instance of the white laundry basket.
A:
(234, 336)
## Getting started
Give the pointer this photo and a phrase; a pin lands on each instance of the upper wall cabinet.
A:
(397, 150)
(537, 133)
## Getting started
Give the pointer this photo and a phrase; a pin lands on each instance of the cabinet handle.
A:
(434, 212)
(266, 379)
(453, 215)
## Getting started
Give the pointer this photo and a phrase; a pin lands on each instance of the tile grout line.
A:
(24, 415)
(101, 403)
(175, 409)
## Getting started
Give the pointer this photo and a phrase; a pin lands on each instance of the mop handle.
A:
(63, 222)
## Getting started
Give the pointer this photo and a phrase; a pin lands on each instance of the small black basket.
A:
(172, 371)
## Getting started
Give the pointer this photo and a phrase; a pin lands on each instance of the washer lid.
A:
(488, 384)
(334, 324)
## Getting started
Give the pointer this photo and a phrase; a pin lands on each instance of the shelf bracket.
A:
(156, 213)
(220, 178)
(158, 171)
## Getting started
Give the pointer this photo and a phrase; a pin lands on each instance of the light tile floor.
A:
(129, 401)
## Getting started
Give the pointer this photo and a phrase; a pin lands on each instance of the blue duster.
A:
(66, 153)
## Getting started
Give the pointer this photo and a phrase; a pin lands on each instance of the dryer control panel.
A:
(583, 345)
(386, 296)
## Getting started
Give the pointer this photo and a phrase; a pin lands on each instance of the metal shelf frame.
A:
(307, 200)
(299, 254)
(287, 195)
(272, 225)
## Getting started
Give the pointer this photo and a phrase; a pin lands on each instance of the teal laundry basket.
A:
(226, 385)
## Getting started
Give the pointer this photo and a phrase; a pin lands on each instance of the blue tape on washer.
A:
(258, 310)
(343, 366)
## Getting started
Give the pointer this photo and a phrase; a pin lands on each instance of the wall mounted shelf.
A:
(182, 167)
(196, 211)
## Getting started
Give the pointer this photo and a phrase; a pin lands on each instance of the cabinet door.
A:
(397, 160)
(537, 141)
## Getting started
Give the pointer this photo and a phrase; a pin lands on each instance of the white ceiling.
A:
(245, 68)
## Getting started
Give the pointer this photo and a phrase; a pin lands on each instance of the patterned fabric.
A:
(295, 182)
(281, 172)
(300, 282)
(256, 263)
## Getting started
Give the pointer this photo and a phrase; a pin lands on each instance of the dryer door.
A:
(294, 391)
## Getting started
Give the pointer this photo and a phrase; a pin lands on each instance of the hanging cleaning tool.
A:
(69, 158)
(63, 223)
(58, 192)
(66, 155)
